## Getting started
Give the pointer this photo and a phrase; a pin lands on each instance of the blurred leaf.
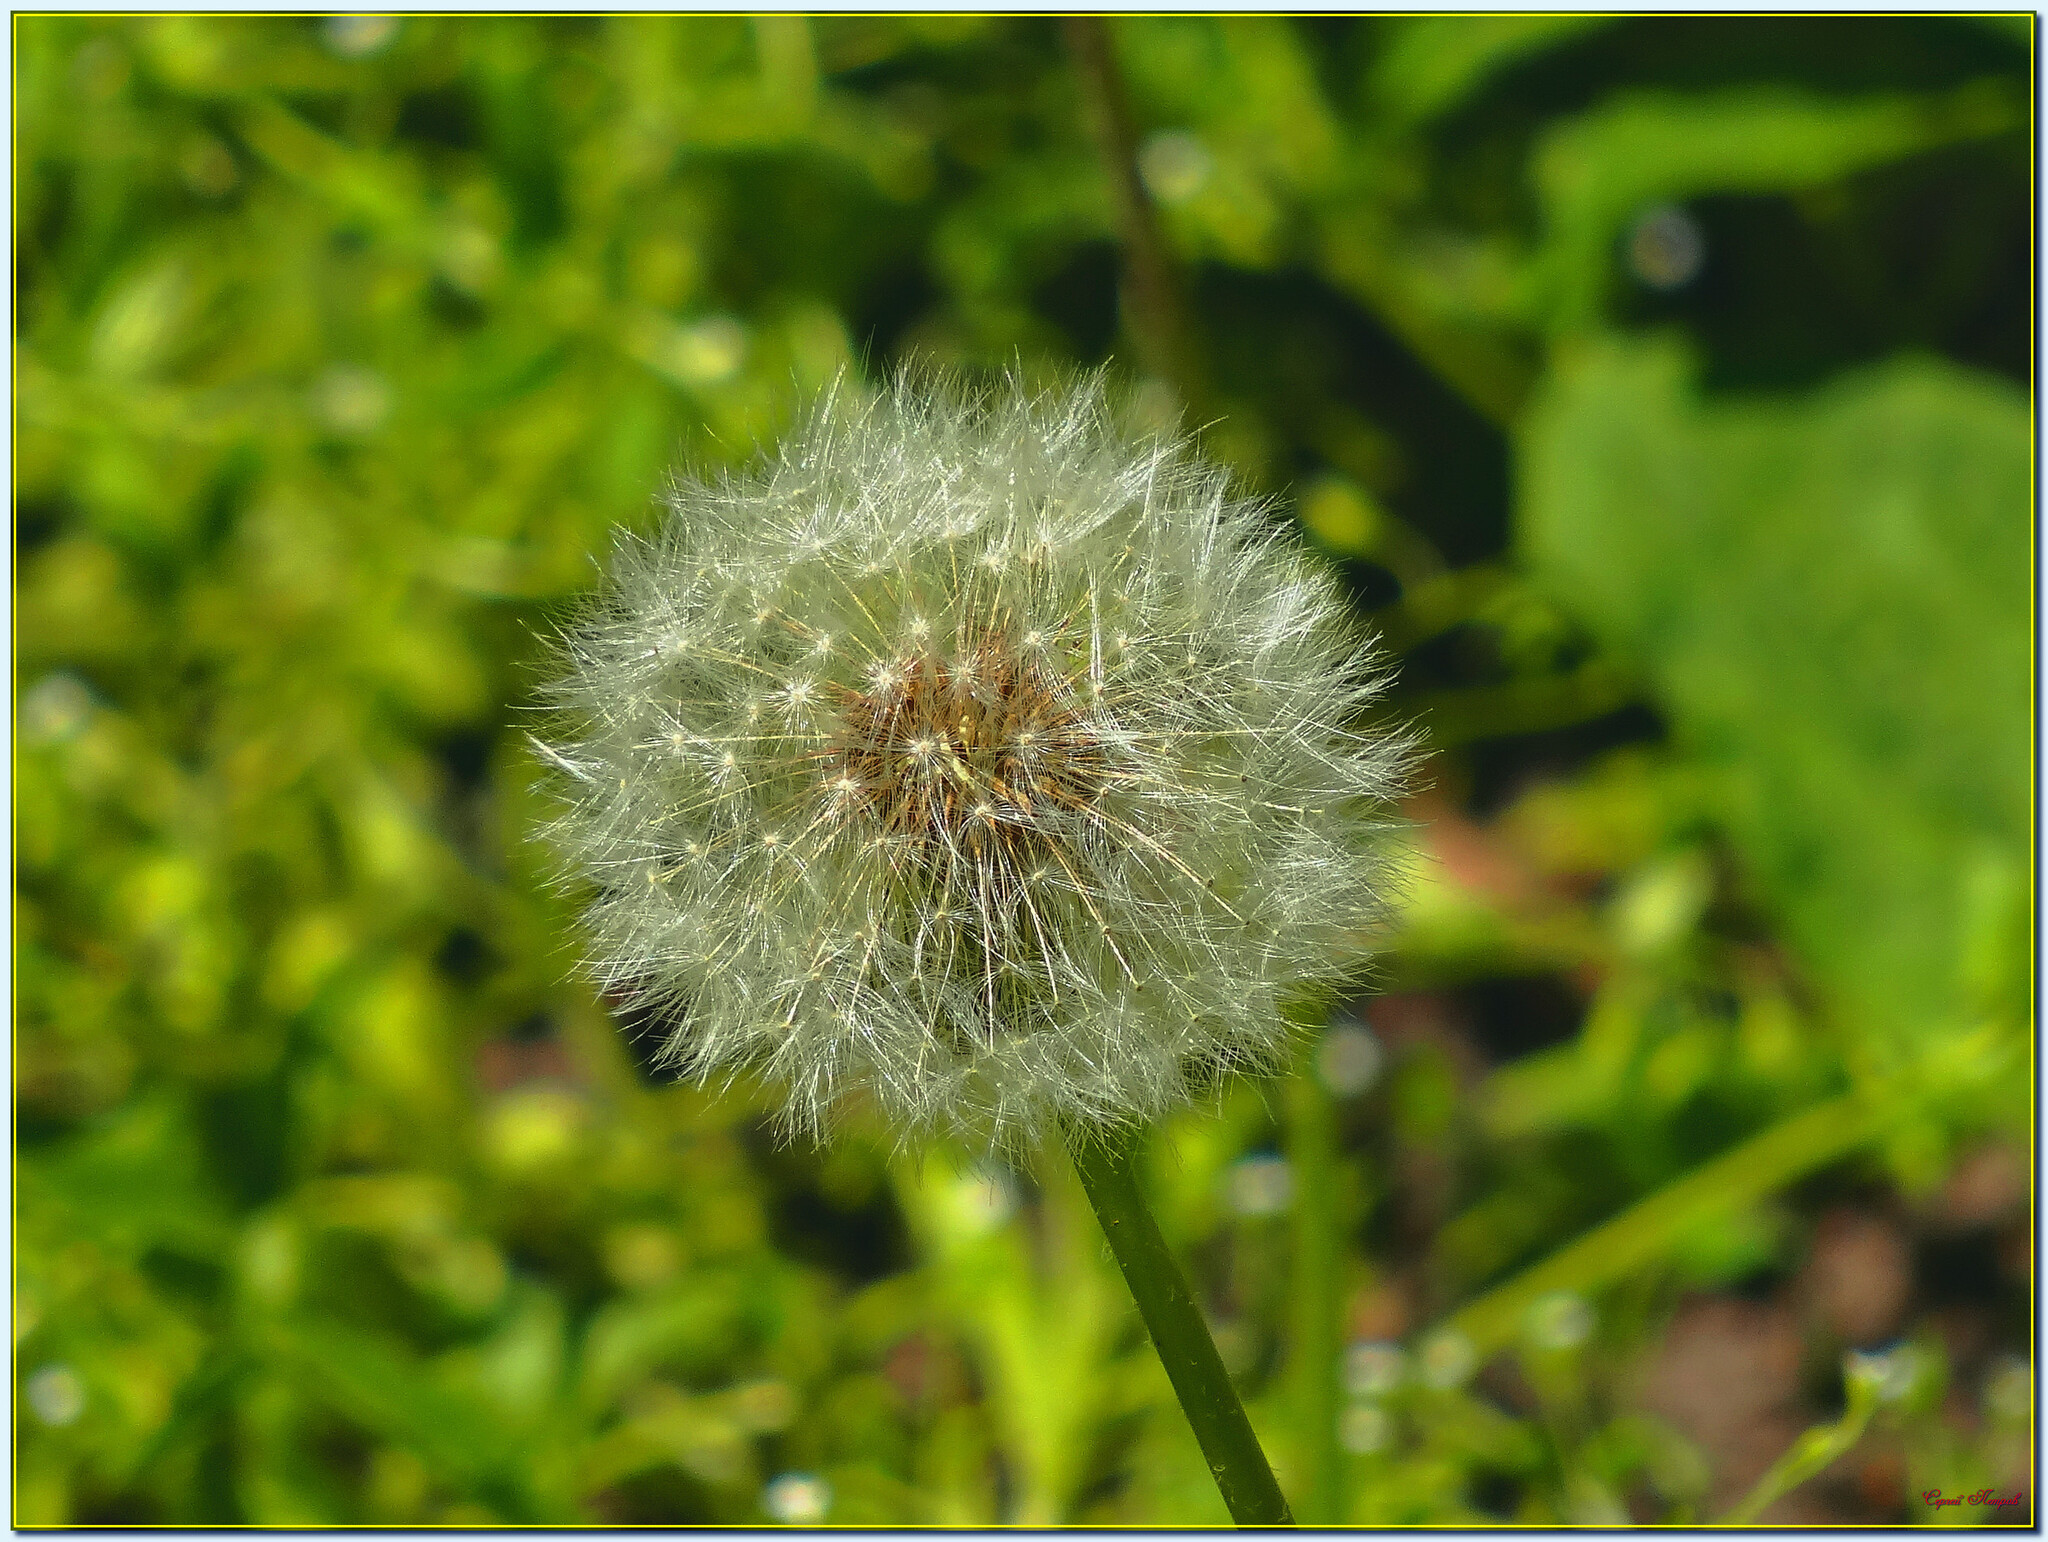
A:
(377, 1384)
(1598, 171)
(134, 1180)
(1433, 63)
(689, 1327)
(1724, 1249)
(2013, 26)
(1831, 596)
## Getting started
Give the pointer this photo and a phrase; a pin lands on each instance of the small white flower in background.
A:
(1448, 1360)
(470, 257)
(56, 1395)
(1667, 248)
(357, 37)
(55, 709)
(1890, 1373)
(1237, 1346)
(708, 351)
(975, 758)
(797, 1499)
(1262, 1184)
(2009, 1389)
(764, 1406)
(1662, 902)
(1350, 1057)
(1175, 165)
(1559, 1320)
(350, 400)
(1365, 1429)
(1373, 1368)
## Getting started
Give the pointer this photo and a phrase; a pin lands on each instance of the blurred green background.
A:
(1659, 386)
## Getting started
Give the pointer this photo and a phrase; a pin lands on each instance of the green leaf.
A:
(1435, 62)
(133, 1181)
(688, 1329)
(378, 1384)
(1831, 597)
(2013, 26)
(1598, 171)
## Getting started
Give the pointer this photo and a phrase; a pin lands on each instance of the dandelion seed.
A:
(1004, 898)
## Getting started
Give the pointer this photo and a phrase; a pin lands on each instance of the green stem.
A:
(1154, 304)
(1109, 1174)
(1812, 1454)
(1318, 1290)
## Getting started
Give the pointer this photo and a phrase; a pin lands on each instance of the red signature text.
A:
(1983, 1496)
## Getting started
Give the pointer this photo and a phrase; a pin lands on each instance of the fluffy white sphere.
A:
(976, 759)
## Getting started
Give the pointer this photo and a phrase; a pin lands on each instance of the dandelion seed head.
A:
(1037, 788)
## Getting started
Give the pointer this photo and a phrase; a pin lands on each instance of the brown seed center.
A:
(976, 756)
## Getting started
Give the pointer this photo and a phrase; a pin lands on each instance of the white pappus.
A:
(974, 758)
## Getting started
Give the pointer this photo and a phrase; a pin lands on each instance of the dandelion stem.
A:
(1317, 1292)
(1109, 1174)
